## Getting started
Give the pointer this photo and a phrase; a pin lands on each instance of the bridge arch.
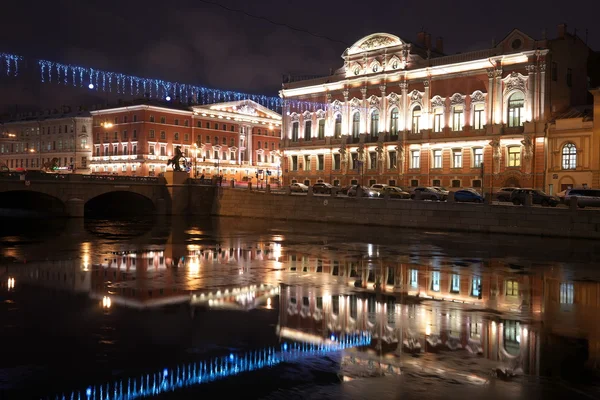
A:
(16, 202)
(119, 203)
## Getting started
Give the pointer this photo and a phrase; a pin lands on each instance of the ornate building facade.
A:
(407, 115)
(236, 139)
(59, 139)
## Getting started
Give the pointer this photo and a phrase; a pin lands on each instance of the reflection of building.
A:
(29, 142)
(235, 139)
(404, 113)
(574, 148)
(67, 275)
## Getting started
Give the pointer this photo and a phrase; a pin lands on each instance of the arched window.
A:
(394, 121)
(375, 123)
(337, 133)
(307, 129)
(355, 124)
(569, 156)
(416, 119)
(516, 109)
(295, 131)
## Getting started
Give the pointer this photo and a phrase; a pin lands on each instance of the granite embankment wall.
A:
(507, 219)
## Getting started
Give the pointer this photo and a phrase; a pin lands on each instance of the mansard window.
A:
(394, 121)
(569, 156)
(295, 131)
(477, 157)
(457, 158)
(514, 156)
(355, 124)
(457, 118)
(416, 119)
(337, 129)
(438, 119)
(478, 116)
(307, 130)
(375, 123)
(437, 159)
(321, 131)
(392, 155)
(516, 109)
(415, 159)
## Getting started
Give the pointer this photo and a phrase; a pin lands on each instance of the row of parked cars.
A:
(433, 193)
(585, 197)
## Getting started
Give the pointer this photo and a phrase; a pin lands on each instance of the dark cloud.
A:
(195, 42)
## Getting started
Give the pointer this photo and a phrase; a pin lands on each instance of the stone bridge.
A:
(73, 194)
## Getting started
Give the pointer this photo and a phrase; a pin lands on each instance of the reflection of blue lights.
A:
(214, 369)
(332, 337)
(91, 86)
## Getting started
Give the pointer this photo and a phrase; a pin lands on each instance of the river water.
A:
(179, 308)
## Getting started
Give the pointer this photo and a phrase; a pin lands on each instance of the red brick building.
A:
(406, 114)
(235, 139)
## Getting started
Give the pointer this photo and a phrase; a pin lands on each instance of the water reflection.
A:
(423, 302)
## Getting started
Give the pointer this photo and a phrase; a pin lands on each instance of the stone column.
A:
(489, 119)
(426, 102)
(530, 92)
(364, 112)
(542, 90)
(329, 122)
(346, 114)
(403, 115)
(498, 97)
(383, 112)
(249, 144)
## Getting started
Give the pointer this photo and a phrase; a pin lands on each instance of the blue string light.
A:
(10, 63)
(217, 368)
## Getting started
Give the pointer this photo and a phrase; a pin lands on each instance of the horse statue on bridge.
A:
(51, 165)
(175, 160)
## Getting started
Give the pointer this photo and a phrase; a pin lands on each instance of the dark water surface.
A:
(182, 308)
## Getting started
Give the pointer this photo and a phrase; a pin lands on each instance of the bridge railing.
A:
(123, 178)
(27, 176)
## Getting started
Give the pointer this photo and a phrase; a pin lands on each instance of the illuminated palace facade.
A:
(406, 114)
(235, 139)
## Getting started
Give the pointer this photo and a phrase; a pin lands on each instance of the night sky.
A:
(202, 43)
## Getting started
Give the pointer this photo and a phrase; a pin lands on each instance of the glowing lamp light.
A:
(88, 392)
(91, 86)
(165, 372)
(168, 98)
(332, 337)
(231, 357)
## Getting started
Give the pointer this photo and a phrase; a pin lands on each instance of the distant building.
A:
(34, 141)
(238, 140)
(405, 114)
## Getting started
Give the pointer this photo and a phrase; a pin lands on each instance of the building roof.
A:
(43, 116)
(586, 112)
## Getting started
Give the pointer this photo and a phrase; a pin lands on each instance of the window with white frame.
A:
(320, 162)
(516, 110)
(355, 124)
(307, 163)
(393, 159)
(437, 159)
(307, 130)
(456, 158)
(478, 116)
(476, 286)
(455, 283)
(337, 131)
(438, 119)
(566, 293)
(477, 157)
(375, 123)
(435, 281)
(569, 156)
(414, 278)
(416, 120)
(394, 121)
(321, 131)
(514, 156)
(415, 159)
(512, 288)
(457, 118)
(151, 148)
(295, 126)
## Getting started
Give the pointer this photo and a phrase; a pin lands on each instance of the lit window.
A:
(455, 284)
(437, 159)
(438, 118)
(355, 124)
(416, 118)
(457, 158)
(569, 156)
(415, 159)
(414, 278)
(338, 126)
(566, 293)
(514, 156)
(457, 118)
(321, 133)
(476, 287)
(374, 123)
(394, 121)
(516, 108)
(512, 288)
(477, 157)
(478, 116)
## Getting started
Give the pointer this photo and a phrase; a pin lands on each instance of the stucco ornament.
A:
(393, 99)
(527, 143)
(495, 144)
(515, 81)
(380, 153)
(377, 42)
(477, 97)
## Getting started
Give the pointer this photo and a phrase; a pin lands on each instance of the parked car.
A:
(366, 191)
(379, 187)
(441, 189)
(585, 197)
(468, 196)
(298, 188)
(504, 193)
(344, 189)
(395, 192)
(322, 188)
(428, 193)
(517, 197)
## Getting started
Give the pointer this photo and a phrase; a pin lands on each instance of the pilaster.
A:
(498, 96)
(542, 90)
(530, 93)
(364, 112)
(383, 114)
(490, 98)
(346, 116)
(404, 89)
(426, 102)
